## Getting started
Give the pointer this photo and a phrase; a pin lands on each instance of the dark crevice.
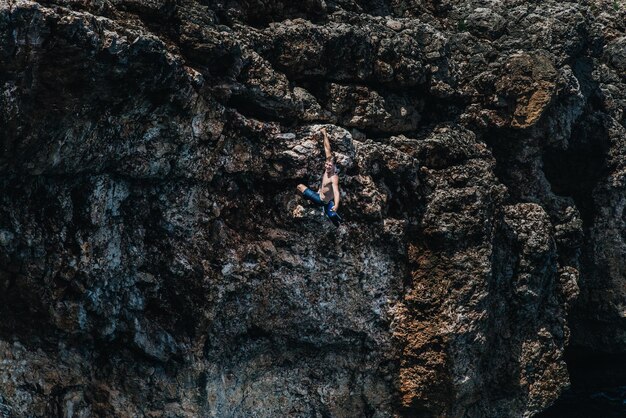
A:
(266, 110)
(259, 338)
(576, 171)
(598, 386)
(371, 7)
(506, 145)
(259, 14)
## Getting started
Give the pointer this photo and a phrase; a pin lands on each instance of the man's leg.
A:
(310, 195)
(331, 214)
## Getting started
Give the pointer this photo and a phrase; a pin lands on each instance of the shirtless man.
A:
(328, 194)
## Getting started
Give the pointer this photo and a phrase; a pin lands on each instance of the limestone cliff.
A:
(156, 261)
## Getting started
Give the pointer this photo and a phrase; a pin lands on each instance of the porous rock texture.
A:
(156, 261)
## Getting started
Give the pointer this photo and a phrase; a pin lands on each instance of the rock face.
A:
(155, 260)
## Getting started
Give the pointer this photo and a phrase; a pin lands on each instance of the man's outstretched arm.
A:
(329, 154)
(336, 194)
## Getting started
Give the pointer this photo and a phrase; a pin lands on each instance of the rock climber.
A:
(328, 194)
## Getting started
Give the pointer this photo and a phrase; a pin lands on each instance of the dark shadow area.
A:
(590, 370)
(260, 13)
(576, 171)
(598, 386)
(576, 404)
(507, 145)
(371, 7)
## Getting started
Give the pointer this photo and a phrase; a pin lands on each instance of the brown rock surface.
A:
(155, 260)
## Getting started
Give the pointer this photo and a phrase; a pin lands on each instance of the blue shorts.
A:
(317, 200)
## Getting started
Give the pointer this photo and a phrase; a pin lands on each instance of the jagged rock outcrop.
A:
(155, 260)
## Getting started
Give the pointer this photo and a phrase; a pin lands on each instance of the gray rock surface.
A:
(155, 260)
